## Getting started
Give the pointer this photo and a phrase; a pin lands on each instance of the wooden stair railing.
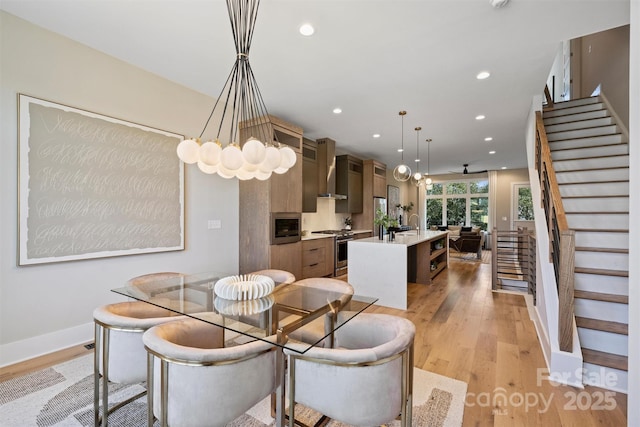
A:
(548, 98)
(561, 238)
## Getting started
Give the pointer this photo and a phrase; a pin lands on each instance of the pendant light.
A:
(427, 179)
(257, 155)
(416, 178)
(402, 172)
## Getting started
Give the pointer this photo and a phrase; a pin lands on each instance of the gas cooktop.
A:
(338, 233)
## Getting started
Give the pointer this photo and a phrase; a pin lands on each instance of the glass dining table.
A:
(288, 308)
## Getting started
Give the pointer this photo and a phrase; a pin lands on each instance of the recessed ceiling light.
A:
(337, 110)
(306, 29)
(480, 117)
(376, 135)
(504, 167)
(492, 152)
(488, 139)
(417, 160)
(483, 75)
(400, 150)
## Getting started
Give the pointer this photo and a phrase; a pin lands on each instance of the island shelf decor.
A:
(92, 186)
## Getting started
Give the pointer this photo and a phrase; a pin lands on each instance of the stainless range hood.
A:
(327, 169)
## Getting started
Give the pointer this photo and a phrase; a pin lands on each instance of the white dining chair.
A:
(195, 381)
(119, 355)
(280, 277)
(366, 380)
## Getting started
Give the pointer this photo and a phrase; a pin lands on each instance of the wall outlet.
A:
(214, 223)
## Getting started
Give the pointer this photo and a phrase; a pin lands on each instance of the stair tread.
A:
(584, 137)
(593, 157)
(601, 271)
(588, 127)
(591, 169)
(601, 358)
(554, 150)
(576, 121)
(595, 197)
(597, 213)
(596, 249)
(601, 230)
(594, 182)
(599, 296)
(602, 325)
(574, 113)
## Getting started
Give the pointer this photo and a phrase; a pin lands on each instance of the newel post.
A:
(565, 290)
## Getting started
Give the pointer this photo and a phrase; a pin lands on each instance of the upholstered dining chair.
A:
(120, 356)
(193, 380)
(281, 277)
(366, 380)
(313, 332)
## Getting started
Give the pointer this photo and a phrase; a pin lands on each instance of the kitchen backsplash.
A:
(325, 218)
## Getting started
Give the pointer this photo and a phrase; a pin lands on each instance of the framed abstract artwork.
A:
(393, 199)
(93, 186)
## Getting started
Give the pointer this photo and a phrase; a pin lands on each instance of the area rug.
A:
(63, 396)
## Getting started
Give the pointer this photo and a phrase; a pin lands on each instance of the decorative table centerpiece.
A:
(244, 287)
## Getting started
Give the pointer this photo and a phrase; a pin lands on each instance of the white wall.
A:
(47, 307)
(633, 403)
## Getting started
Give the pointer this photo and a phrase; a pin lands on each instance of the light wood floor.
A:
(486, 339)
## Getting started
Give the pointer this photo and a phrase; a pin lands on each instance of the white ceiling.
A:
(370, 58)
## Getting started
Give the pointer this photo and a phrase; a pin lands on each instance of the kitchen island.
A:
(382, 268)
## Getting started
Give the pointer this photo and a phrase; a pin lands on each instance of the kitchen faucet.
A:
(417, 222)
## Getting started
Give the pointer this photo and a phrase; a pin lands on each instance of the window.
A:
(525, 203)
(459, 203)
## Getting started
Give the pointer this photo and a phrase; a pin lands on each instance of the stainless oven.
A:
(341, 239)
(285, 227)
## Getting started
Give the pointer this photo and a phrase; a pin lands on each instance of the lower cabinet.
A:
(287, 257)
(317, 257)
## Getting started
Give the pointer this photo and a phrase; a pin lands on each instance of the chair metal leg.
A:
(292, 391)
(96, 375)
(105, 376)
(150, 417)
(164, 392)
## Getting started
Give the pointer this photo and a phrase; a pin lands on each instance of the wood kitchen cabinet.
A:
(379, 178)
(349, 183)
(287, 257)
(310, 188)
(317, 257)
(257, 199)
(374, 184)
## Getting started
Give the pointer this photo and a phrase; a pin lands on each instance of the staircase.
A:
(590, 157)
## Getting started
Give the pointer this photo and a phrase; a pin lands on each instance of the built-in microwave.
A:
(285, 227)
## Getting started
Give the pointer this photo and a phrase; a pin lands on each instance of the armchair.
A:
(468, 243)
(366, 380)
(194, 380)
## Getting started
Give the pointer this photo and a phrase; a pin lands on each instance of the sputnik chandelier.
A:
(258, 155)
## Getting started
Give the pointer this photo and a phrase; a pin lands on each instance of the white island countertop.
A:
(406, 238)
(381, 268)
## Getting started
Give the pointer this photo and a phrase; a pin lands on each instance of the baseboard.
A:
(19, 351)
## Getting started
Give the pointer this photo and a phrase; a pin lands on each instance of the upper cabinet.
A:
(309, 175)
(349, 183)
(281, 131)
(378, 172)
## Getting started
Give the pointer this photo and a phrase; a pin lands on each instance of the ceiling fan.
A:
(466, 171)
